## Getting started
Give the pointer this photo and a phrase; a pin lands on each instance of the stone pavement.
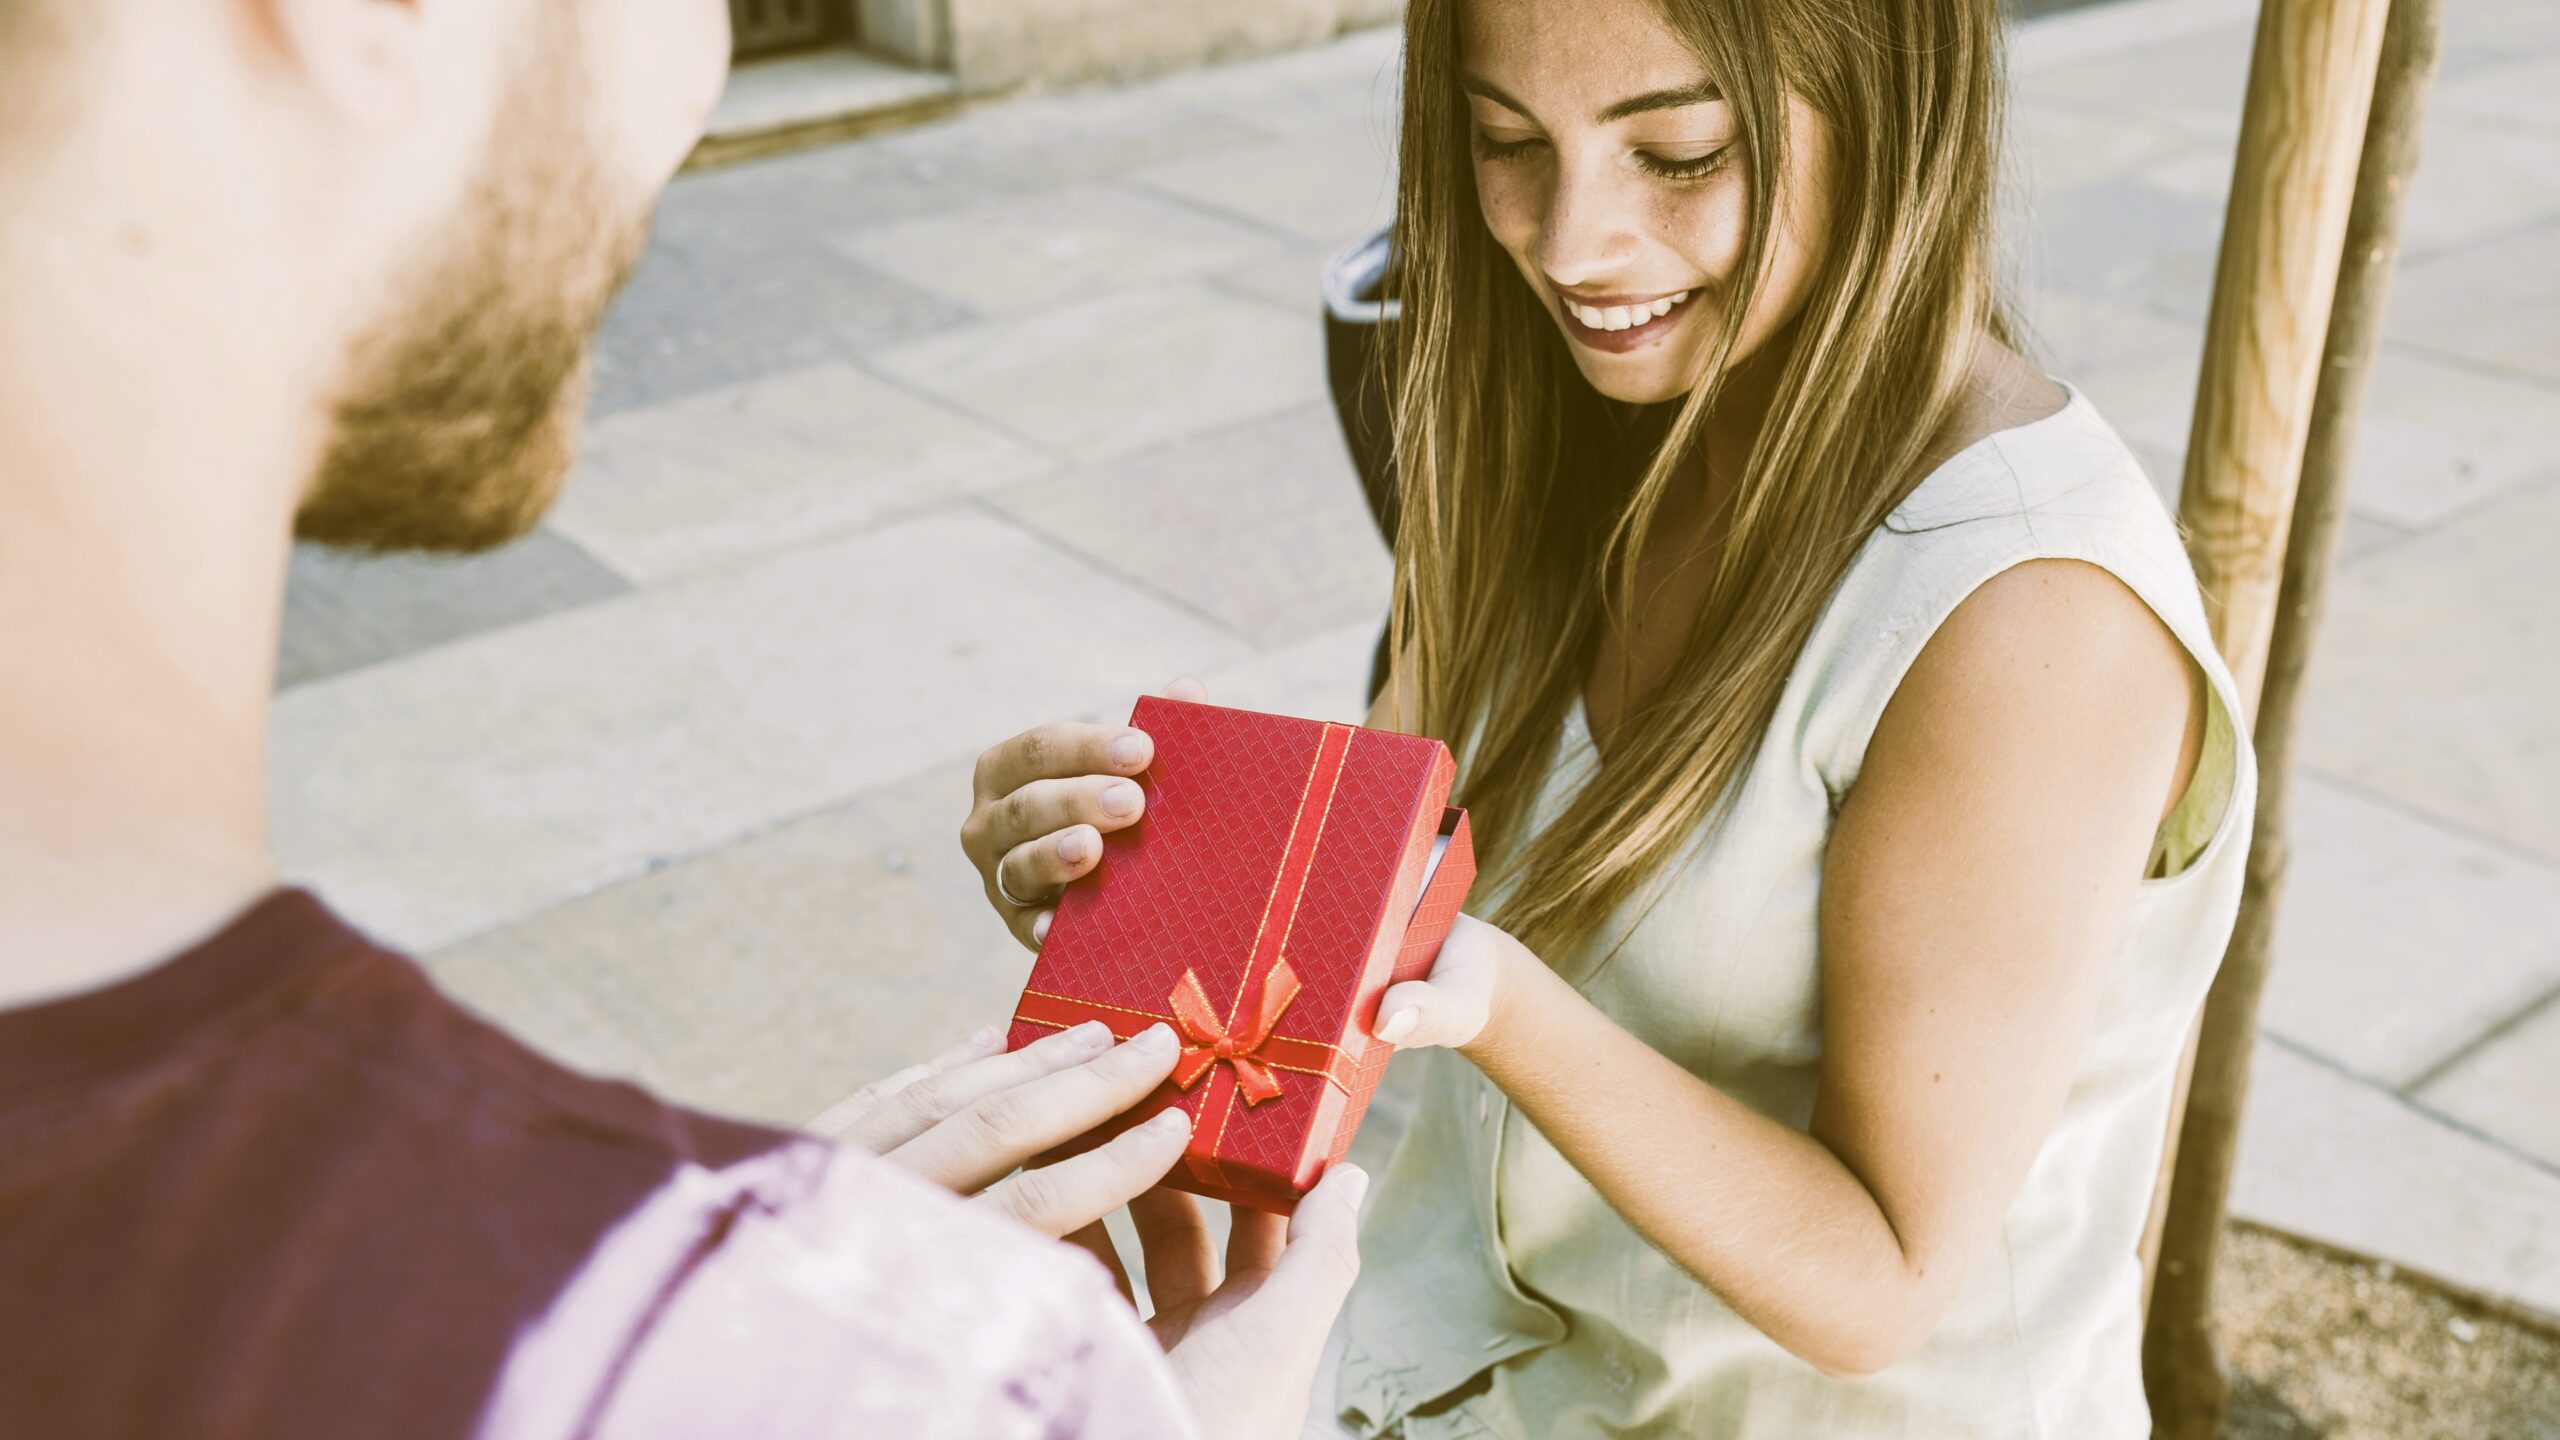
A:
(902, 445)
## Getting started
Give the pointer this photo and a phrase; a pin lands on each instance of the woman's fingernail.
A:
(1176, 1121)
(1398, 1025)
(989, 1037)
(1119, 798)
(1076, 847)
(1040, 926)
(1093, 1035)
(1156, 1039)
(1129, 750)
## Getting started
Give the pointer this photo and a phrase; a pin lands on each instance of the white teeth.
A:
(1624, 317)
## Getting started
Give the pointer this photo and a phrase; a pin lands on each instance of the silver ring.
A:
(1003, 893)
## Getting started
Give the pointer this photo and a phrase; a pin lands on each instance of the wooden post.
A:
(2182, 1370)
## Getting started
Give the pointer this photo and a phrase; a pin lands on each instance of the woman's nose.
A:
(1589, 234)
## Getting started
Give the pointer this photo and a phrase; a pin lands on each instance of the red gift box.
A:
(1286, 873)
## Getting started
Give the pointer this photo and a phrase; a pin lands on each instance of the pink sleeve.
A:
(822, 1293)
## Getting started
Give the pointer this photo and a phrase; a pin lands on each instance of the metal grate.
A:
(762, 27)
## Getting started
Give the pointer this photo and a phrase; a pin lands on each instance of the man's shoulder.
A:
(284, 1178)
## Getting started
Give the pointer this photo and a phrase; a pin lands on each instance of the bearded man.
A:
(330, 267)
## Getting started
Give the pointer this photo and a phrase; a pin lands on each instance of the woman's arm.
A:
(1975, 889)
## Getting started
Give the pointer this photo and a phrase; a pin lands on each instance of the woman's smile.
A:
(1616, 324)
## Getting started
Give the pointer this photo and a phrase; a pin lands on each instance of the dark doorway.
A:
(767, 27)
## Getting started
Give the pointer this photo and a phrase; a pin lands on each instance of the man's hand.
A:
(1042, 803)
(966, 1118)
(1245, 1348)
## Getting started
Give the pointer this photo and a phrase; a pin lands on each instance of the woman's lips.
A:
(1617, 324)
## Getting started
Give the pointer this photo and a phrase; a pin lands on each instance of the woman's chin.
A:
(1634, 379)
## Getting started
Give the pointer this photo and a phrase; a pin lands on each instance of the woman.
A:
(1862, 800)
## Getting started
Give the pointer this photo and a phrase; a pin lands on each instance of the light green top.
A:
(1503, 1296)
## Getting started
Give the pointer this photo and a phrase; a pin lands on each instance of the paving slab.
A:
(2083, 32)
(1356, 79)
(2434, 684)
(1007, 257)
(2196, 80)
(2524, 94)
(1291, 277)
(343, 612)
(1331, 185)
(1322, 677)
(2481, 303)
(2347, 1164)
(2077, 335)
(2482, 34)
(1010, 255)
(1014, 148)
(737, 471)
(2127, 239)
(454, 791)
(2435, 440)
(689, 324)
(772, 977)
(2476, 180)
(2399, 943)
(1260, 525)
(2508, 1087)
(2054, 145)
(1123, 372)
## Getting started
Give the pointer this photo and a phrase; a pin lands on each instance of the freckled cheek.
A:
(1706, 227)
(1513, 212)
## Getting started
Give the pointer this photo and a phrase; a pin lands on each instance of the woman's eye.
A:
(1488, 148)
(1693, 168)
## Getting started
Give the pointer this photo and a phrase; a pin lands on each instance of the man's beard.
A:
(457, 421)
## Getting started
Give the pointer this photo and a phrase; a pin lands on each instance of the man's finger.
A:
(1057, 751)
(909, 1110)
(970, 1150)
(1045, 807)
(1036, 870)
(1173, 1240)
(1095, 1240)
(1254, 1241)
(842, 1116)
(1078, 1191)
(1189, 689)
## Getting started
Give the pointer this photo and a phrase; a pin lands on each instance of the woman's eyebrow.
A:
(1485, 89)
(1702, 93)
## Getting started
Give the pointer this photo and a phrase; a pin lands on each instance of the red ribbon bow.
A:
(1210, 1041)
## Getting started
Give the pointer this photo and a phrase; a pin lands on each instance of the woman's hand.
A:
(968, 1117)
(1460, 1001)
(1043, 801)
(1244, 1345)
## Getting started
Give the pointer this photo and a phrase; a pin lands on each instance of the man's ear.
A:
(362, 58)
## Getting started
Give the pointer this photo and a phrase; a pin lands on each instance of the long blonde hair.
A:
(1525, 502)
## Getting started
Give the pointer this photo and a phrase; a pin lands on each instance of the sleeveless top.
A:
(1503, 1296)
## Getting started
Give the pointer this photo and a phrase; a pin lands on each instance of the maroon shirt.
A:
(280, 1186)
